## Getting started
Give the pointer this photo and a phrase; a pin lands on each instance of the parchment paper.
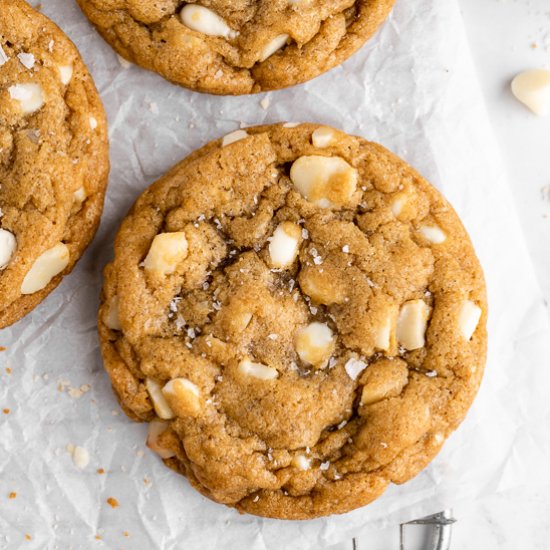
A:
(412, 89)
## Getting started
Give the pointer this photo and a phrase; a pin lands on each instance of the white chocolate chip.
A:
(237, 135)
(26, 59)
(93, 123)
(411, 324)
(275, 45)
(80, 195)
(111, 318)
(3, 57)
(81, 457)
(291, 124)
(324, 180)
(29, 96)
(301, 462)
(284, 244)
(322, 137)
(161, 406)
(166, 252)
(468, 319)
(8, 245)
(382, 339)
(397, 205)
(156, 428)
(184, 397)
(45, 268)
(433, 234)
(532, 88)
(257, 370)
(354, 367)
(65, 73)
(315, 344)
(244, 320)
(201, 19)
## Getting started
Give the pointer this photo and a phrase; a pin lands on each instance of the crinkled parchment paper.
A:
(412, 89)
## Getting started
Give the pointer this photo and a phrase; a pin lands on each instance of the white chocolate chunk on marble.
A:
(81, 457)
(183, 396)
(8, 246)
(315, 344)
(325, 181)
(49, 264)
(468, 319)
(167, 251)
(237, 135)
(532, 88)
(432, 234)
(30, 97)
(161, 406)
(412, 323)
(273, 46)
(285, 244)
(203, 20)
(257, 370)
(156, 429)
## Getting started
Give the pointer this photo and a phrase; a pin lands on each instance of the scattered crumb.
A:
(6, 411)
(97, 537)
(8, 370)
(126, 534)
(12, 495)
(100, 471)
(112, 502)
(28, 537)
(265, 102)
(3, 348)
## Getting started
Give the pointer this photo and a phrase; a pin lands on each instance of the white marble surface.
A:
(506, 37)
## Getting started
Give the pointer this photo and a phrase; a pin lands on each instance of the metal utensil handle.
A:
(442, 526)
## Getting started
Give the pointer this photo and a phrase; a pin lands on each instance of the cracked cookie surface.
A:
(240, 46)
(299, 315)
(53, 158)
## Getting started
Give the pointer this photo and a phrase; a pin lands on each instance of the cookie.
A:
(53, 158)
(299, 315)
(237, 46)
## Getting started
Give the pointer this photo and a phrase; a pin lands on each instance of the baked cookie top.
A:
(237, 46)
(53, 158)
(299, 315)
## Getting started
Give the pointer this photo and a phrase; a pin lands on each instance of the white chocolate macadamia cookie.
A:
(54, 161)
(297, 340)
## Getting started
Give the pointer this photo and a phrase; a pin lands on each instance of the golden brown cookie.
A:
(300, 316)
(237, 46)
(54, 159)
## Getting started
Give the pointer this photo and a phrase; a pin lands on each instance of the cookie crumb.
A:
(12, 495)
(112, 502)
